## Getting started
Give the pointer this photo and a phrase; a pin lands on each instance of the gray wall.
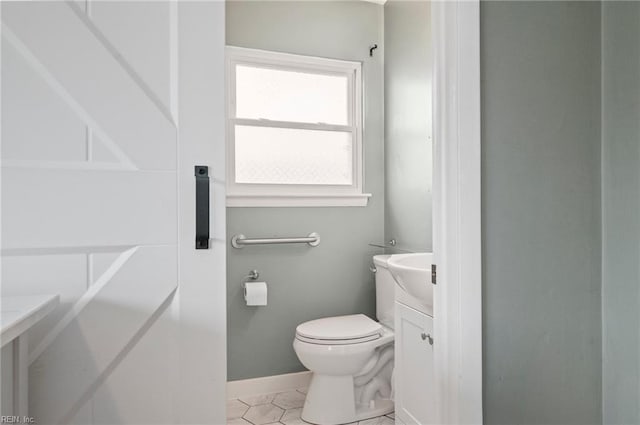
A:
(307, 283)
(408, 163)
(621, 211)
(541, 212)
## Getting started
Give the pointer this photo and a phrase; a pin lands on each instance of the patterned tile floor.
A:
(280, 408)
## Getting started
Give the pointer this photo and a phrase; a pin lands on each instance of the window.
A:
(294, 134)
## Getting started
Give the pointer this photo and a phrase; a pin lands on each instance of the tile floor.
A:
(277, 409)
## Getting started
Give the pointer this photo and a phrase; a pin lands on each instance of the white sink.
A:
(413, 273)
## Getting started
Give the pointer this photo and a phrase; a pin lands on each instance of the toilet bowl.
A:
(351, 358)
(345, 354)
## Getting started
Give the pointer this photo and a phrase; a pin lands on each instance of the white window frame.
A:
(294, 195)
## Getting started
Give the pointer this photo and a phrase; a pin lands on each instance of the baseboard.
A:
(268, 384)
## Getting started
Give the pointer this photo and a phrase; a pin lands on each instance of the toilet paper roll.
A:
(255, 293)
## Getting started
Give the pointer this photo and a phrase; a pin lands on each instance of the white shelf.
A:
(19, 314)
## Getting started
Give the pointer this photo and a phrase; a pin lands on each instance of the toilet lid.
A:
(355, 326)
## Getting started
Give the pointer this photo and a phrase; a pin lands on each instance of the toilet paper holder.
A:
(255, 293)
(253, 275)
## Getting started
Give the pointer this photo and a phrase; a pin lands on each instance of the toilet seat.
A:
(337, 341)
(339, 330)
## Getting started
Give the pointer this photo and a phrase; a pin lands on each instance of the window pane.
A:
(291, 96)
(266, 155)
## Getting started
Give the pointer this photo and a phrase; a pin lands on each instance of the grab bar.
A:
(239, 241)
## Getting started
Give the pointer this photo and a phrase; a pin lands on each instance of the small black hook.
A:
(372, 48)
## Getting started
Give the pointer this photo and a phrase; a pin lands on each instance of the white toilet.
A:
(351, 358)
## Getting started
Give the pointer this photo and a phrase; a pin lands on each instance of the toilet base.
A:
(331, 401)
(381, 407)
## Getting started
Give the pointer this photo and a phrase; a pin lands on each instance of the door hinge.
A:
(434, 274)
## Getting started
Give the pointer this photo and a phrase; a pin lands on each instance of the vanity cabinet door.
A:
(414, 371)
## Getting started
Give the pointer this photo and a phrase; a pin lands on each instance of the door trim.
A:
(457, 211)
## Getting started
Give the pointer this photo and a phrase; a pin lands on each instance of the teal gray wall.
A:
(541, 212)
(334, 278)
(407, 96)
(621, 211)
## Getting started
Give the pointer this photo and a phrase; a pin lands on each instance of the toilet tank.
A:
(385, 287)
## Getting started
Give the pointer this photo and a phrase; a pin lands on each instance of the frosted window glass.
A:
(291, 96)
(267, 155)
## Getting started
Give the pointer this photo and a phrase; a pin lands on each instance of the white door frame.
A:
(457, 210)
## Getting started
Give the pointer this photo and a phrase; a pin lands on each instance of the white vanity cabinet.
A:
(414, 367)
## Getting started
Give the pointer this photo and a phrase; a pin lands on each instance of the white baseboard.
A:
(268, 384)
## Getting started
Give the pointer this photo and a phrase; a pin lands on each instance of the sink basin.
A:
(413, 273)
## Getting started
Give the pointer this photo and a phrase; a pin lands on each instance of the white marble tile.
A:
(238, 421)
(263, 414)
(235, 409)
(257, 399)
(280, 409)
(292, 417)
(379, 420)
(392, 415)
(289, 400)
(303, 390)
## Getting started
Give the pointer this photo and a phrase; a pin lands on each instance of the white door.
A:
(106, 108)
(414, 373)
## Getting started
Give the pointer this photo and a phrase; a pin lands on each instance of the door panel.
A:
(91, 340)
(201, 391)
(143, 33)
(28, 99)
(91, 207)
(66, 48)
(124, 397)
(80, 209)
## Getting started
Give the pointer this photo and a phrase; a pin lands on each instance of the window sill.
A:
(359, 200)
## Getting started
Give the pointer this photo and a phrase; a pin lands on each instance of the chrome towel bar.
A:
(239, 241)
